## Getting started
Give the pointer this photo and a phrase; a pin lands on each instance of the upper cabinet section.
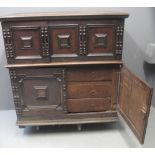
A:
(63, 37)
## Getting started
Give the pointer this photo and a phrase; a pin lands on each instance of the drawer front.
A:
(91, 73)
(89, 105)
(89, 90)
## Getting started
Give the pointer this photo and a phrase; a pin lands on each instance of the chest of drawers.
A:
(66, 68)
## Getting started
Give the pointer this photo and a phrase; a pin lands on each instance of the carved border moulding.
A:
(119, 39)
(8, 43)
(16, 92)
(64, 87)
(83, 40)
(44, 41)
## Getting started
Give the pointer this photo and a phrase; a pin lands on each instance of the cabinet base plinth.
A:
(31, 122)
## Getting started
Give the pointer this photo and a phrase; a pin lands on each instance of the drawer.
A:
(89, 90)
(89, 105)
(91, 73)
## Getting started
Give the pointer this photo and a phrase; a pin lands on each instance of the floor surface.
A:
(92, 136)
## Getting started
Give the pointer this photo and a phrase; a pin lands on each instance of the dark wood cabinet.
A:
(66, 68)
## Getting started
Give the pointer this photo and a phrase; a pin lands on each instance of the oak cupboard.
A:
(66, 68)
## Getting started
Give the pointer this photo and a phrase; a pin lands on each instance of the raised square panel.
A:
(64, 39)
(27, 41)
(101, 39)
(41, 92)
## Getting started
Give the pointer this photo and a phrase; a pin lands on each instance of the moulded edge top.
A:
(58, 64)
(64, 15)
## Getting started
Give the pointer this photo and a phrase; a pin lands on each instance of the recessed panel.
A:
(64, 40)
(101, 39)
(27, 41)
(41, 92)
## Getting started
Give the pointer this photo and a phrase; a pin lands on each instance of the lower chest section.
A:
(65, 95)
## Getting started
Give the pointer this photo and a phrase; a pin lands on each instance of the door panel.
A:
(134, 102)
(44, 92)
(40, 88)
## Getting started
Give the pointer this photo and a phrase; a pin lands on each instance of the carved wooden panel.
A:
(64, 39)
(35, 95)
(26, 41)
(38, 88)
(101, 39)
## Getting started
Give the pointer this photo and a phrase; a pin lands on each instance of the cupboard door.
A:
(134, 102)
(38, 89)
